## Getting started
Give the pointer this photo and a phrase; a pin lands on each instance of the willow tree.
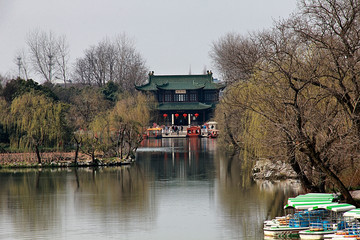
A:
(85, 106)
(118, 131)
(37, 121)
(306, 73)
(4, 136)
(317, 53)
(96, 139)
(128, 119)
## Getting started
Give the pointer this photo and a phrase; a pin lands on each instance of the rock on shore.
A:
(272, 170)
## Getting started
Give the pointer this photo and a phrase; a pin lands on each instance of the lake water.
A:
(178, 189)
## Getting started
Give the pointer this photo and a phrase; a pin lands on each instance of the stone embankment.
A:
(272, 170)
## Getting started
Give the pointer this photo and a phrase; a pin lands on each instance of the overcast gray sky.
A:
(171, 35)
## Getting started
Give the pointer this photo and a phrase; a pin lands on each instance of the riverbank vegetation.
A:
(88, 123)
(98, 113)
(293, 93)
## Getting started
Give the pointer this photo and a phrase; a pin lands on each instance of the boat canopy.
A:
(323, 206)
(355, 213)
(312, 197)
(309, 195)
(154, 129)
(341, 207)
(306, 205)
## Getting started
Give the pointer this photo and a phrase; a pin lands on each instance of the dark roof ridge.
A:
(180, 75)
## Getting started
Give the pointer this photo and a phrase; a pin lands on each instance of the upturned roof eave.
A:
(183, 106)
(185, 88)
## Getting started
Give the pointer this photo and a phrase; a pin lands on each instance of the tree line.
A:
(98, 121)
(293, 93)
(47, 55)
(90, 105)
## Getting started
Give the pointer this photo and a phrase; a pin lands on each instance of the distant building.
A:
(184, 99)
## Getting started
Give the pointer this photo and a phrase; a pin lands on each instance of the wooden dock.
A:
(180, 134)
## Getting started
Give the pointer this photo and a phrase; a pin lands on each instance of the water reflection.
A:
(34, 203)
(178, 189)
(190, 158)
(245, 204)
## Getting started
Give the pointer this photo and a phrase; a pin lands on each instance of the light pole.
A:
(50, 65)
(19, 65)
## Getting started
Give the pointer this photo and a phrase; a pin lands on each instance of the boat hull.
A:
(283, 231)
(155, 137)
(314, 234)
(343, 238)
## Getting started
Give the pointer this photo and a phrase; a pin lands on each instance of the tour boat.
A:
(329, 224)
(283, 231)
(290, 225)
(352, 230)
(213, 133)
(154, 133)
(194, 131)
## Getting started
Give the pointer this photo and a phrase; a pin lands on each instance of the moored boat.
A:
(154, 133)
(332, 221)
(213, 133)
(194, 131)
(352, 230)
(290, 225)
(283, 231)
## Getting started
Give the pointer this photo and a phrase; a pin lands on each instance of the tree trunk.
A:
(76, 154)
(231, 136)
(37, 151)
(332, 176)
(78, 142)
(129, 150)
(93, 156)
(122, 143)
(290, 148)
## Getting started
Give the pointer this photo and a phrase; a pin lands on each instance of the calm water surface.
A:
(178, 189)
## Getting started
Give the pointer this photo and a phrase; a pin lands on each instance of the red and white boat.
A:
(194, 131)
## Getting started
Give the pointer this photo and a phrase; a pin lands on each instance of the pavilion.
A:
(184, 99)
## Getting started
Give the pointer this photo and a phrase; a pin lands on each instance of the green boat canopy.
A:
(307, 205)
(311, 200)
(341, 207)
(355, 213)
(312, 197)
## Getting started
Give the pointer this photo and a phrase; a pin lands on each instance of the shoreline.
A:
(56, 160)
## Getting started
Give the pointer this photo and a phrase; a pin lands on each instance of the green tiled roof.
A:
(183, 106)
(183, 82)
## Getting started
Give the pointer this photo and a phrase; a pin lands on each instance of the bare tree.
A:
(82, 72)
(62, 60)
(2, 81)
(97, 66)
(130, 68)
(234, 57)
(304, 85)
(332, 29)
(48, 54)
(116, 61)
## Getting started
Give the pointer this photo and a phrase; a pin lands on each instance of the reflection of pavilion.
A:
(178, 157)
